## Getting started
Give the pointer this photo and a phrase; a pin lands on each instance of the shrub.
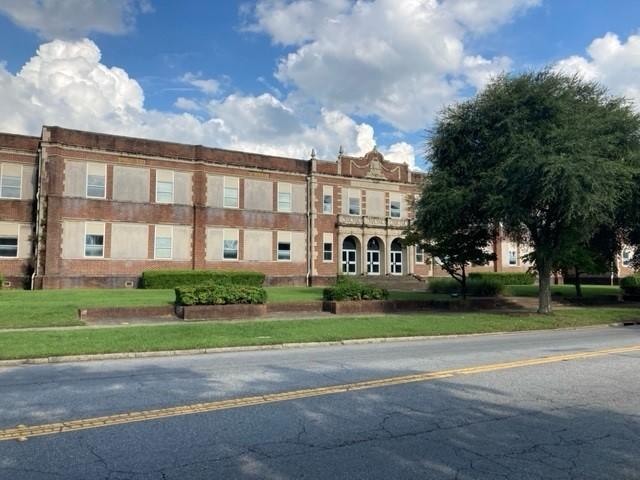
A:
(475, 287)
(350, 289)
(1, 281)
(185, 278)
(630, 285)
(505, 278)
(220, 295)
(443, 285)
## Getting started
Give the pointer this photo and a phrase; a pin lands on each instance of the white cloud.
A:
(400, 60)
(611, 62)
(69, 19)
(209, 86)
(66, 84)
(183, 103)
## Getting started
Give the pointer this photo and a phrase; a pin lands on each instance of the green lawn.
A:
(562, 290)
(55, 308)
(29, 344)
(51, 308)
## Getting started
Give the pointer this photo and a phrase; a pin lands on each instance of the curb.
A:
(278, 346)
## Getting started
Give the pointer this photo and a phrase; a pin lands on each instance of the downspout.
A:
(36, 270)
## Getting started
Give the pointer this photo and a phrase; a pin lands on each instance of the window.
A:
(394, 208)
(513, 256)
(327, 252)
(327, 199)
(284, 250)
(327, 204)
(231, 192)
(284, 197)
(164, 186)
(8, 246)
(419, 254)
(96, 180)
(230, 244)
(10, 180)
(94, 240)
(354, 203)
(626, 257)
(164, 242)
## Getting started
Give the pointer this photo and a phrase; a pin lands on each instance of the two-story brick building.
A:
(88, 209)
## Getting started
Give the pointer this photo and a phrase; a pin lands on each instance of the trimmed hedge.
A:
(349, 289)
(630, 285)
(505, 278)
(475, 287)
(220, 295)
(188, 278)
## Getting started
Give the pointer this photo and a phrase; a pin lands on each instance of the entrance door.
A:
(348, 262)
(349, 256)
(373, 257)
(395, 260)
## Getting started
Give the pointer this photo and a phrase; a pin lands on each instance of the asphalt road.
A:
(574, 419)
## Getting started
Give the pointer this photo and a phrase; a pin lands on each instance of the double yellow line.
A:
(23, 432)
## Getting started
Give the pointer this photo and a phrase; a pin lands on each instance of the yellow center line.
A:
(22, 432)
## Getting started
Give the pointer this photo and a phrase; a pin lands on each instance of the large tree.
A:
(548, 156)
(449, 229)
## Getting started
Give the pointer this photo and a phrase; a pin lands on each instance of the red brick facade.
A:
(223, 204)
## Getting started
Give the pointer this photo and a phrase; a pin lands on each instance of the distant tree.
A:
(595, 256)
(548, 156)
(448, 228)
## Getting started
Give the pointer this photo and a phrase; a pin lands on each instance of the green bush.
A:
(443, 285)
(186, 278)
(630, 285)
(475, 287)
(505, 278)
(220, 295)
(350, 289)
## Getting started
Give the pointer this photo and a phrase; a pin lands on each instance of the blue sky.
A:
(285, 76)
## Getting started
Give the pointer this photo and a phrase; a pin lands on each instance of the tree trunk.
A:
(464, 284)
(578, 284)
(544, 292)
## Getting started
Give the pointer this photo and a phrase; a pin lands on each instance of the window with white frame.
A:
(96, 180)
(419, 254)
(164, 186)
(10, 180)
(395, 208)
(354, 202)
(94, 240)
(284, 246)
(327, 199)
(231, 192)
(230, 244)
(327, 247)
(9, 240)
(163, 244)
(284, 197)
(512, 255)
(626, 257)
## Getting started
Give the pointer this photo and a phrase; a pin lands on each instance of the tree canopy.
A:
(549, 157)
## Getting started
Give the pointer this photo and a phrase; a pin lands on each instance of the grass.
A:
(562, 290)
(31, 344)
(57, 308)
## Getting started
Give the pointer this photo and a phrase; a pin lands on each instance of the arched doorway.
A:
(395, 258)
(374, 253)
(350, 255)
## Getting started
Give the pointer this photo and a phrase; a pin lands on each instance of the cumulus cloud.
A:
(209, 86)
(612, 62)
(72, 19)
(66, 84)
(400, 60)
